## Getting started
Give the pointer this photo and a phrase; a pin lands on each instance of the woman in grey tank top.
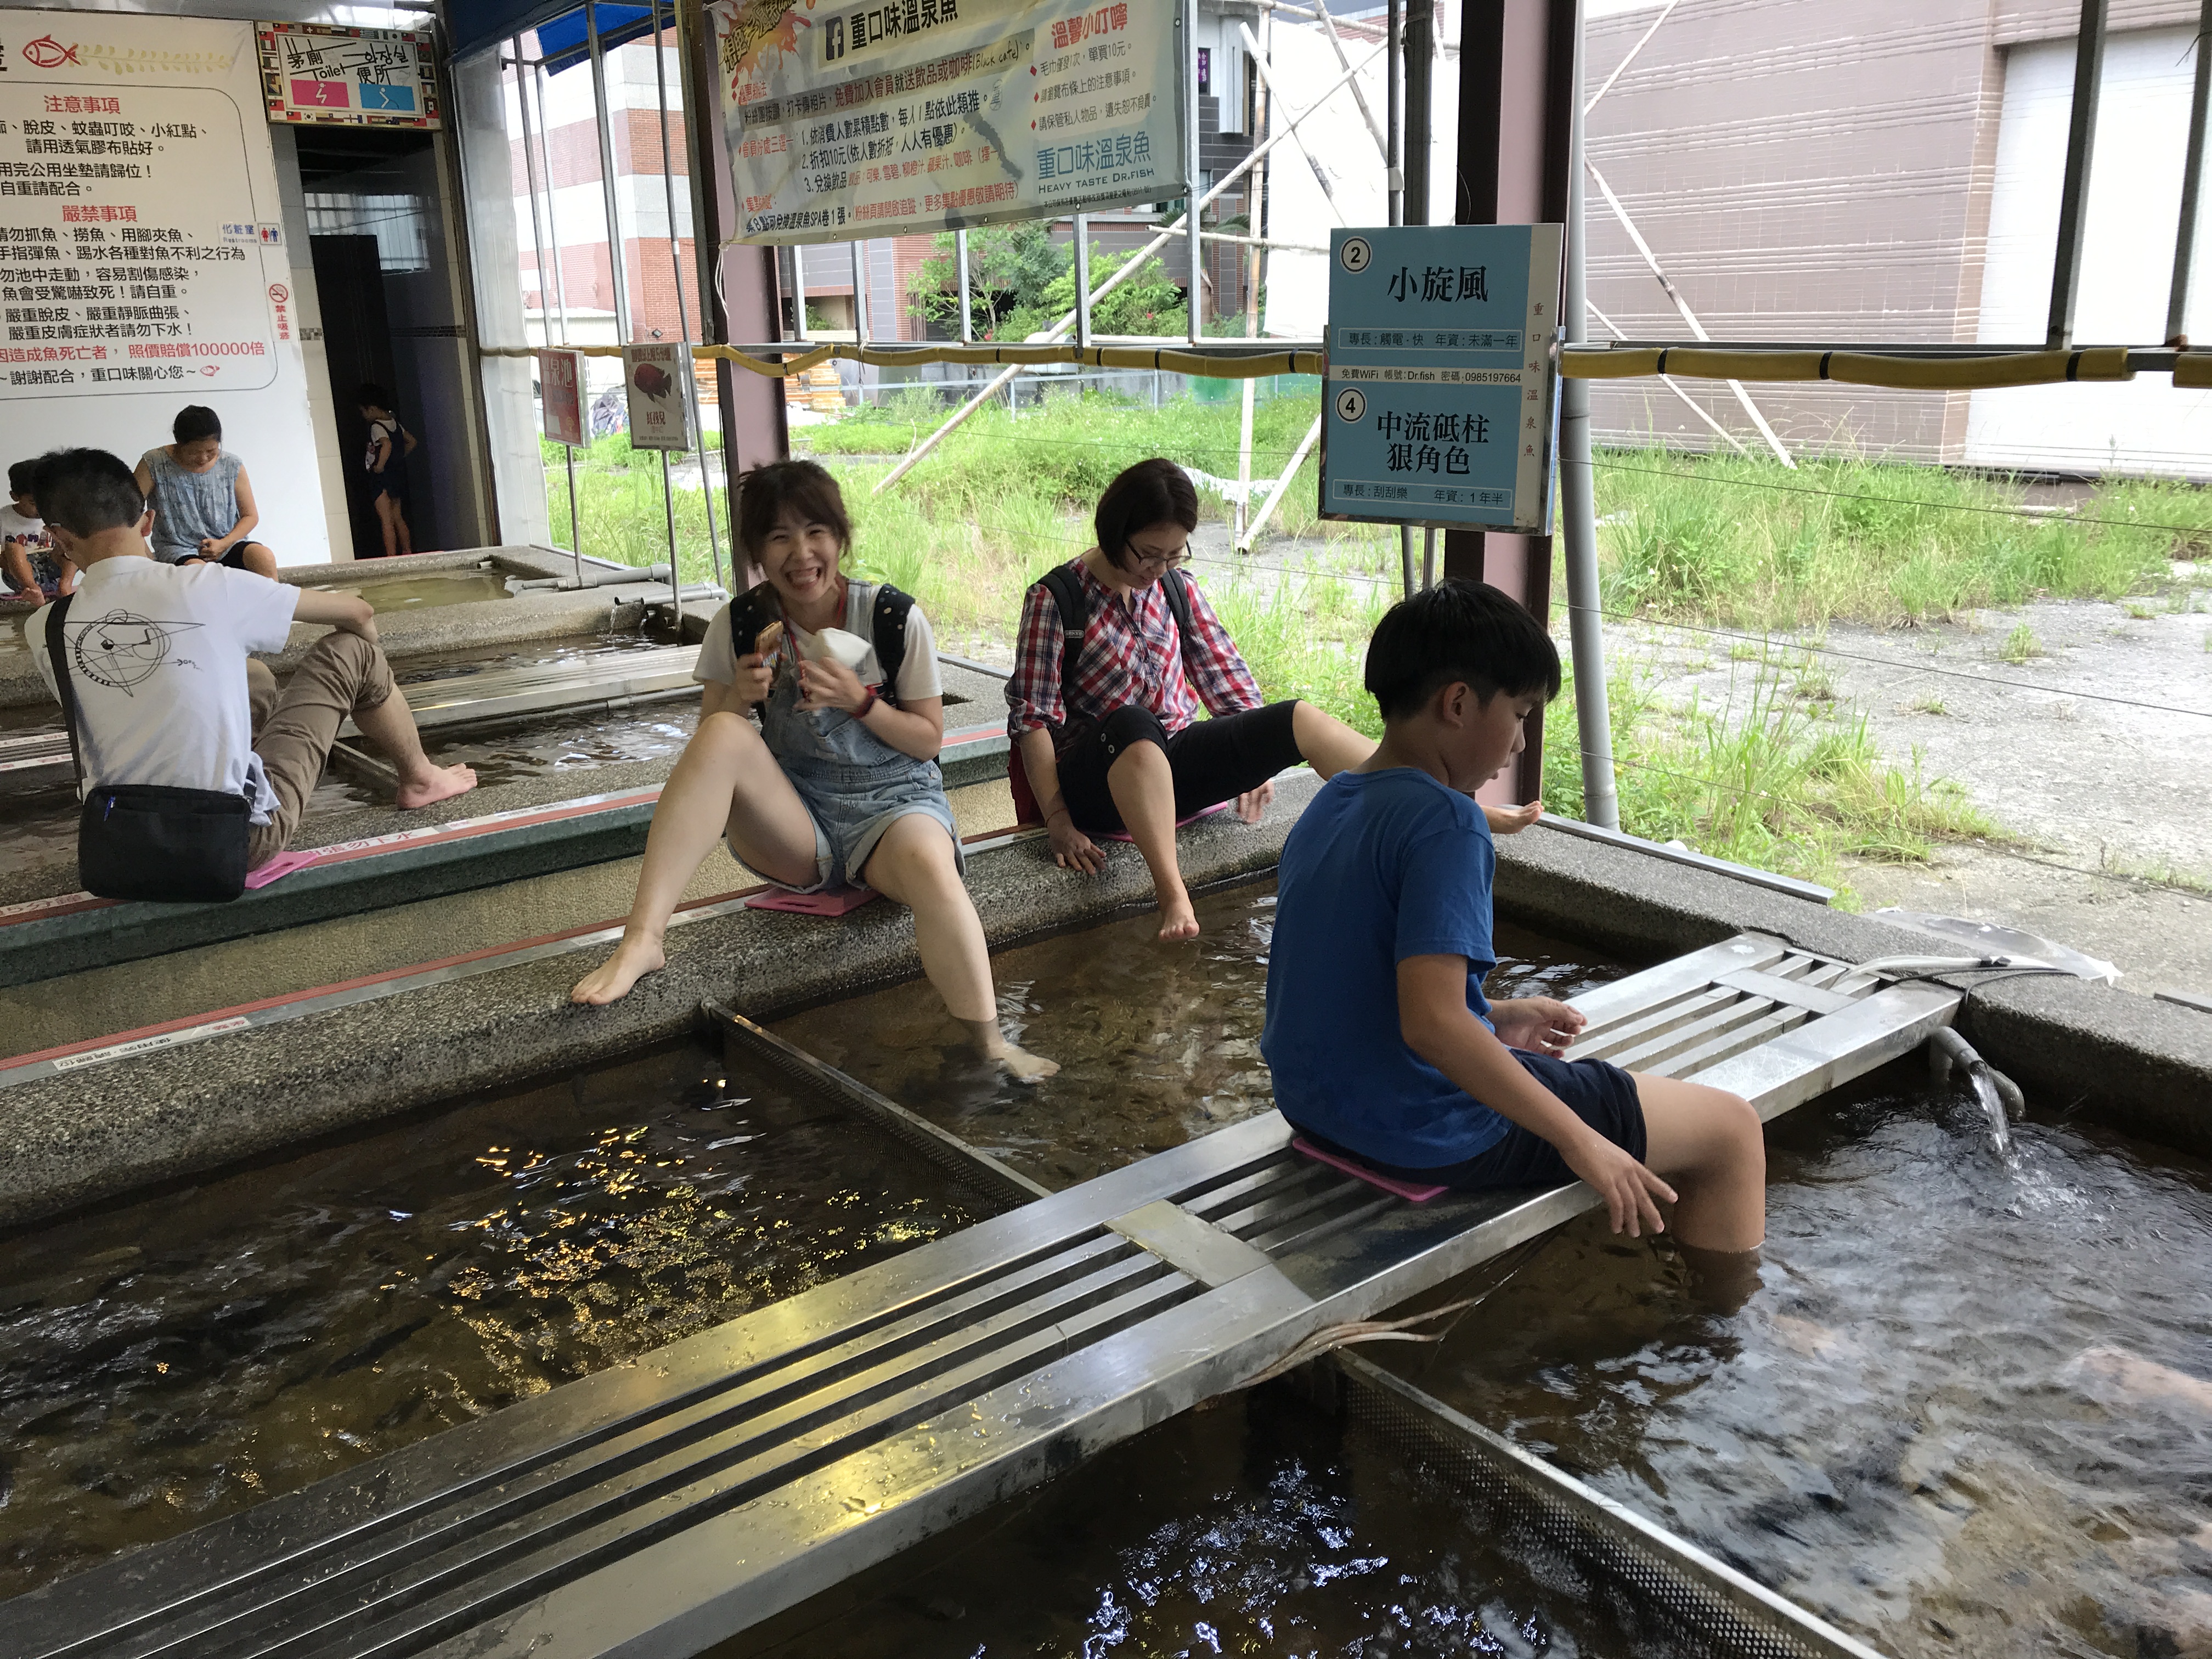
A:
(203, 504)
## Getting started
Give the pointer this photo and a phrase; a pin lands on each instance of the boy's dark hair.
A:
(369, 395)
(20, 477)
(86, 492)
(1458, 630)
(804, 488)
(195, 422)
(1151, 492)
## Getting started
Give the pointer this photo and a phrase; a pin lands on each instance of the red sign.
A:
(322, 95)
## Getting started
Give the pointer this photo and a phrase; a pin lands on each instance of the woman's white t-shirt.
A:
(918, 676)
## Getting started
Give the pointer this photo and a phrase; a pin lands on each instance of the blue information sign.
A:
(1441, 376)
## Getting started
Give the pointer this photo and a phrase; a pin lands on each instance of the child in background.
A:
(203, 501)
(1382, 1043)
(26, 547)
(389, 444)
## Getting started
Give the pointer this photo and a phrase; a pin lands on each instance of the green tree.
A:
(1148, 303)
(1009, 268)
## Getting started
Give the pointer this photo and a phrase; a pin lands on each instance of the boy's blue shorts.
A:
(1595, 1091)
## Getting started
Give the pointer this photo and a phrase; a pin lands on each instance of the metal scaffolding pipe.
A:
(2192, 180)
(2074, 191)
(617, 264)
(1578, 504)
(684, 326)
(1195, 311)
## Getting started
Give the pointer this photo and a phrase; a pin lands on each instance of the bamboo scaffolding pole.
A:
(1282, 485)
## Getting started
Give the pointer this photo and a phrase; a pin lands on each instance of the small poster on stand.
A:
(561, 396)
(656, 379)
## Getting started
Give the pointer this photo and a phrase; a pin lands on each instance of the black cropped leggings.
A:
(1213, 760)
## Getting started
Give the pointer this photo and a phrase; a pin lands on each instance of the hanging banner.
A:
(896, 118)
(142, 255)
(1442, 375)
(319, 76)
(656, 379)
(561, 396)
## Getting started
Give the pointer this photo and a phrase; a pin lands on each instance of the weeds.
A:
(2020, 645)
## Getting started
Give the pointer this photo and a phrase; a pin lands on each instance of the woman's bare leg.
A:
(1711, 1147)
(1326, 743)
(1143, 787)
(725, 782)
(384, 516)
(913, 863)
(259, 560)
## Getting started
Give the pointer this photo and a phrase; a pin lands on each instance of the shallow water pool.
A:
(170, 1361)
(1256, 1526)
(1157, 1044)
(389, 593)
(1967, 1411)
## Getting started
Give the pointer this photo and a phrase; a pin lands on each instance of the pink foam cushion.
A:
(280, 866)
(1180, 824)
(1410, 1191)
(832, 901)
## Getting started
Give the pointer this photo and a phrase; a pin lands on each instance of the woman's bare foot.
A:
(1020, 1064)
(1178, 920)
(437, 783)
(610, 981)
(1024, 1066)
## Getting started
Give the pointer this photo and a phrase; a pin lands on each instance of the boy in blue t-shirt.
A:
(1379, 1039)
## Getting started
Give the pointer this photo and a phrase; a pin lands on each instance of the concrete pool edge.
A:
(105, 1131)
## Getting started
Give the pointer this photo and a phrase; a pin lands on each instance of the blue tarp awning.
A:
(480, 25)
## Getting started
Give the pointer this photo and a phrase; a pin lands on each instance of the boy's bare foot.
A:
(1178, 920)
(610, 981)
(437, 783)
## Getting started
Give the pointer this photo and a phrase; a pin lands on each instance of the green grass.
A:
(1746, 543)
(2020, 645)
(1760, 780)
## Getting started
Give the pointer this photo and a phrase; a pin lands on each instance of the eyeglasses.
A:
(1156, 562)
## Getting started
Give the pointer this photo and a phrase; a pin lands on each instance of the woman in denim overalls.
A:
(837, 785)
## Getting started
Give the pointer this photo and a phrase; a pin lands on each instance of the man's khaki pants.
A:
(294, 729)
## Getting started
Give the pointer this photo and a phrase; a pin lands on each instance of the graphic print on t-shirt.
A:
(121, 650)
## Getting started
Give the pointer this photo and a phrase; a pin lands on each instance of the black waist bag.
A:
(137, 841)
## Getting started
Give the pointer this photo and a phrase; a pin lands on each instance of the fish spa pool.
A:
(1966, 1407)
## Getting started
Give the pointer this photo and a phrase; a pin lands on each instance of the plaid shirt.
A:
(1132, 652)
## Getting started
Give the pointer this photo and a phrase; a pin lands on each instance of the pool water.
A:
(1967, 1411)
(1256, 1526)
(1156, 1044)
(389, 593)
(177, 1359)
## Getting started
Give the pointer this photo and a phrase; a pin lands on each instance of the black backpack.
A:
(754, 610)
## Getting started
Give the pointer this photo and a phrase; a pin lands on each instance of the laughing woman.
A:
(838, 782)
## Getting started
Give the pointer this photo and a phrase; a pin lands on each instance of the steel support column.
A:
(1517, 102)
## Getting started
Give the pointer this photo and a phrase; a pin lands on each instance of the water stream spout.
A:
(2001, 1099)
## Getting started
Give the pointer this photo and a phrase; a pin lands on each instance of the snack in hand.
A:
(768, 640)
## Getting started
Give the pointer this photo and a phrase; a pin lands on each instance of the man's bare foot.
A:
(437, 783)
(1178, 921)
(610, 981)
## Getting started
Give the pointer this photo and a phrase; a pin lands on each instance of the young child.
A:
(203, 501)
(27, 558)
(1381, 1041)
(389, 444)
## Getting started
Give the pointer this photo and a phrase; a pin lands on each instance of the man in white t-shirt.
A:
(165, 692)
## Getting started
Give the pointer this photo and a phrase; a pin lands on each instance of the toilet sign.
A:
(656, 382)
(1442, 375)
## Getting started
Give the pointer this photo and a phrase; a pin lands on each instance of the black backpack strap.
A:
(887, 620)
(1067, 590)
(1176, 586)
(58, 654)
(750, 612)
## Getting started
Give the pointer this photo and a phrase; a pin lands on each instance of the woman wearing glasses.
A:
(1117, 650)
